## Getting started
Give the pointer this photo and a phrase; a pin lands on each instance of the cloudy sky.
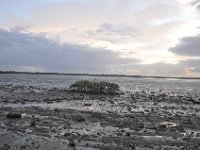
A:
(137, 37)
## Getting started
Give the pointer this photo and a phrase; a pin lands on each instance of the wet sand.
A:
(60, 119)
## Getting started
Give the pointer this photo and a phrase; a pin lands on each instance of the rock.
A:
(33, 122)
(129, 108)
(37, 146)
(67, 134)
(56, 110)
(167, 124)
(23, 146)
(72, 143)
(87, 104)
(14, 115)
(98, 134)
(78, 118)
(67, 125)
(196, 102)
(87, 144)
(4, 147)
(128, 134)
(5, 101)
(111, 101)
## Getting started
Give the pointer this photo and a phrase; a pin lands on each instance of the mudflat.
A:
(62, 119)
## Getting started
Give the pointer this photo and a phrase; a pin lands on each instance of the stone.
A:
(14, 115)
(72, 143)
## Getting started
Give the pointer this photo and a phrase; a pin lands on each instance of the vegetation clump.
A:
(95, 87)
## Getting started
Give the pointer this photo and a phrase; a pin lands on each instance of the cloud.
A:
(108, 28)
(188, 46)
(196, 69)
(158, 69)
(192, 64)
(121, 25)
(196, 4)
(24, 50)
(126, 18)
(188, 68)
(114, 34)
(80, 14)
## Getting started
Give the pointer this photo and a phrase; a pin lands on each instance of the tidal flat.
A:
(150, 114)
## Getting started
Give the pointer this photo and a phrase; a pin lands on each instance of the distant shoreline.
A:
(100, 75)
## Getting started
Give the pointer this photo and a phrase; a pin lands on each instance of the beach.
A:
(148, 114)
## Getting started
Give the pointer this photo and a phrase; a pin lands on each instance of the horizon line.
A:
(96, 74)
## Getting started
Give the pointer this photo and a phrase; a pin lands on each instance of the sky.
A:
(133, 37)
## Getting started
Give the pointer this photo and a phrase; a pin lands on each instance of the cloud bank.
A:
(37, 51)
(24, 51)
(188, 46)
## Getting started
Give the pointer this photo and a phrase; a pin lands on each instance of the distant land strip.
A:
(88, 74)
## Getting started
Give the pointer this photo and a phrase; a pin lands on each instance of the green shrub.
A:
(101, 87)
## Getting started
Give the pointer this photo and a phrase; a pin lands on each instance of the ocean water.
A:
(127, 84)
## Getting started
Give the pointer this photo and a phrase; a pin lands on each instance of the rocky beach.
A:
(35, 117)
